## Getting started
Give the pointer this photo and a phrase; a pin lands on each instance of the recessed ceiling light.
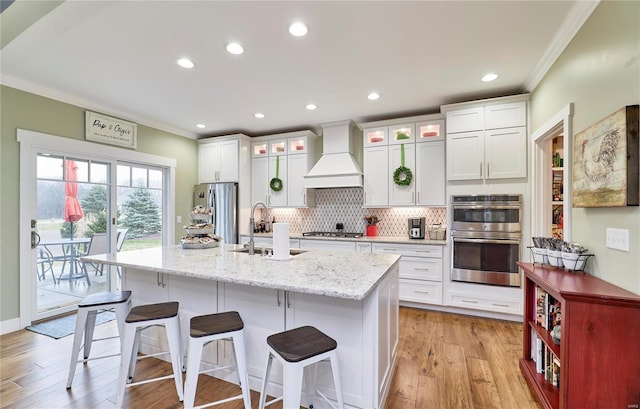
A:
(185, 63)
(489, 77)
(235, 48)
(259, 115)
(311, 107)
(298, 29)
(373, 96)
(201, 126)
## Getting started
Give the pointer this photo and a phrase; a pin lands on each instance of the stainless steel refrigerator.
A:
(223, 199)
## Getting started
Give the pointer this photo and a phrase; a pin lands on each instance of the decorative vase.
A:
(372, 230)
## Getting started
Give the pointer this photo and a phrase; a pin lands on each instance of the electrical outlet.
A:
(618, 239)
(179, 219)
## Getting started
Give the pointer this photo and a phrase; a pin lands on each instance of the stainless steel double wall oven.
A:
(486, 236)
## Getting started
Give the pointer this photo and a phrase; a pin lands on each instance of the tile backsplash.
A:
(344, 206)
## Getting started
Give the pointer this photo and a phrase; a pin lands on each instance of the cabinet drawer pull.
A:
(421, 292)
(500, 305)
(278, 297)
(422, 269)
(470, 301)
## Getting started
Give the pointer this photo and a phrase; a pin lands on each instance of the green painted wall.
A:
(28, 111)
(599, 72)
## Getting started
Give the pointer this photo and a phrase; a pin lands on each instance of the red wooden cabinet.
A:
(599, 351)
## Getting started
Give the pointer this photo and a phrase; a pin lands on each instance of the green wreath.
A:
(276, 183)
(402, 176)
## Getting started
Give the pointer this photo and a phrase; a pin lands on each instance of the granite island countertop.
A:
(372, 239)
(334, 274)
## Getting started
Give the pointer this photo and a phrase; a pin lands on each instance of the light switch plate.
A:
(618, 239)
(179, 219)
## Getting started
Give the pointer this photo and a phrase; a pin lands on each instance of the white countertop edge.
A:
(358, 292)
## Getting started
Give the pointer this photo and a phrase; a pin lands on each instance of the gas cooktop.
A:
(331, 234)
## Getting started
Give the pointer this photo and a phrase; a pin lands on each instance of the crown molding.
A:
(577, 16)
(90, 105)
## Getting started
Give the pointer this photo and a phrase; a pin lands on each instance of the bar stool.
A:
(207, 328)
(88, 309)
(142, 317)
(296, 349)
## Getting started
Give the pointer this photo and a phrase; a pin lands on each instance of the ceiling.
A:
(119, 58)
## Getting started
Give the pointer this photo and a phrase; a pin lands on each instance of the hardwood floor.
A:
(445, 361)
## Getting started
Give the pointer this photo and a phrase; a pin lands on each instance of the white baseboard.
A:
(8, 326)
(463, 311)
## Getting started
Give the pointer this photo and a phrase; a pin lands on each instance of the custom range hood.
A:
(337, 167)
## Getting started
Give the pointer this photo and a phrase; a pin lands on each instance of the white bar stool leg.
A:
(89, 327)
(125, 362)
(81, 320)
(241, 366)
(265, 381)
(291, 385)
(193, 369)
(175, 349)
(335, 369)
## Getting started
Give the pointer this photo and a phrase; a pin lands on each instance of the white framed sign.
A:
(109, 130)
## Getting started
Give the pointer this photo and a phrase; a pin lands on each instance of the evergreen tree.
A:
(95, 201)
(65, 230)
(99, 224)
(141, 214)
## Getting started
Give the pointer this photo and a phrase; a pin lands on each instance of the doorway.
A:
(72, 213)
(551, 174)
(106, 181)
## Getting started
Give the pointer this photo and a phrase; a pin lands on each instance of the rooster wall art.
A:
(605, 161)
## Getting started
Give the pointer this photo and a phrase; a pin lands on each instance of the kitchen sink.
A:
(269, 250)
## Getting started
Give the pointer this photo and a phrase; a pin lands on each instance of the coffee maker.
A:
(416, 227)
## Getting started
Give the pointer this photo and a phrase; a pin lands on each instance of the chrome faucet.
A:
(252, 224)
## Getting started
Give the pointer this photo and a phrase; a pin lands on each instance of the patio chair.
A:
(45, 264)
(122, 236)
(97, 245)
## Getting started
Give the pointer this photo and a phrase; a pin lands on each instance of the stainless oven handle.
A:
(491, 241)
(492, 206)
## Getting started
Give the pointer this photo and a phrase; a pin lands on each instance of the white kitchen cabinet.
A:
(218, 161)
(505, 153)
(505, 115)
(402, 195)
(382, 147)
(296, 153)
(430, 173)
(420, 271)
(465, 120)
(335, 245)
(363, 247)
(297, 195)
(278, 165)
(465, 155)
(487, 141)
(260, 179)
(481, 300)
(376, 176)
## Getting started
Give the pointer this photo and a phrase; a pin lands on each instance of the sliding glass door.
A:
(72, 214)
(79, 198)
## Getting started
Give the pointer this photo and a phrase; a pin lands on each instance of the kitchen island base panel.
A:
(366, 330)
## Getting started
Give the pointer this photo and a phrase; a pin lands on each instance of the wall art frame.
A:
(110, 130)
(606, 163)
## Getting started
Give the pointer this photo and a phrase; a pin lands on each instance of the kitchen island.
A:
(352, 297)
